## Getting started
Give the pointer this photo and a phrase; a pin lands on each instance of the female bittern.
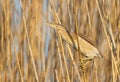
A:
(86, 47)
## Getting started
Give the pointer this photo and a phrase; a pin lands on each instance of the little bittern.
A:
(86, 47)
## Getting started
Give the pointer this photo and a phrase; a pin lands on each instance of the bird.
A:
(87, 48)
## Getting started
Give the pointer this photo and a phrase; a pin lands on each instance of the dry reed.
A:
(31, 51)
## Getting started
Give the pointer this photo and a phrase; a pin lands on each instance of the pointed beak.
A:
(51, 25)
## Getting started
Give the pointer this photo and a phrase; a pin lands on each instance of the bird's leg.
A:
(87, 58)
(81, 65)
(84, 62)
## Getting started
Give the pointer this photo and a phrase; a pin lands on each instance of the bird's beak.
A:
(51, 25)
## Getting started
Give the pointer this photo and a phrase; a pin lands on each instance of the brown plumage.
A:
(87, 48)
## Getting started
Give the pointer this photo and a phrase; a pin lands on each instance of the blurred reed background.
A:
(30, 51)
